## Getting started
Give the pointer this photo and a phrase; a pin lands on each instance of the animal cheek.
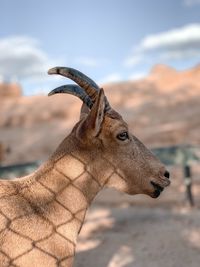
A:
(118, 182)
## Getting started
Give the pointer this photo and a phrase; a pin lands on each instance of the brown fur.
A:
(42, 214)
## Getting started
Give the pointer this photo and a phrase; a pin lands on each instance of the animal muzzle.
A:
(159, 185)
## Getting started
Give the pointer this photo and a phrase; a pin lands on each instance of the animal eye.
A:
(123, 136)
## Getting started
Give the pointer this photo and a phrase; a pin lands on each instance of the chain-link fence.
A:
(38, 223)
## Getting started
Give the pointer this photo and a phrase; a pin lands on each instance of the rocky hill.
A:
(162, 109)
(10, 90)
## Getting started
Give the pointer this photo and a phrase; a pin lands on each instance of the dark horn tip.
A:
(50, 93)
(55, 70)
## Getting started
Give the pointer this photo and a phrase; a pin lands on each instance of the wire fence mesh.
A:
(37, 225)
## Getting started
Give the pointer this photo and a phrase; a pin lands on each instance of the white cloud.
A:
(21, 57)
(112, 78)
(190, 3)
(133, 60)
(183, 38)
(176, 44)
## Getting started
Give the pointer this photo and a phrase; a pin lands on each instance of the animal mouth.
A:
(157, 189)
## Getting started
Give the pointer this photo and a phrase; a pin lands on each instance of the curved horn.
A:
(81, 79)
(90, 87)
(75, 90)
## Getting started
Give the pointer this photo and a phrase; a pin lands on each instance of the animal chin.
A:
(157, 190)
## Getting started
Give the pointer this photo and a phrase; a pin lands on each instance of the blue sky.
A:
(110, 40)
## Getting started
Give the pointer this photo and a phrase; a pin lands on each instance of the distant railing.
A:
(182, 155)
(178, 155)
(18, 170)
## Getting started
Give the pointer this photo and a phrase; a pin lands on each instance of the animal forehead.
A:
(114, 121)
(113, 115)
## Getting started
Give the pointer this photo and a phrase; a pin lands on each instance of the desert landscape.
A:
(163, 109)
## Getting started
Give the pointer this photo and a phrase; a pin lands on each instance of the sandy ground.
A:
(140, 237)
(123, 231)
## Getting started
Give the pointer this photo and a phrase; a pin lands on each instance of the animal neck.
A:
(53, 202)
(64, 188)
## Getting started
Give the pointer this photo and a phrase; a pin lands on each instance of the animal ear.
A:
(91, 127)
(84, 111)
(97, 113)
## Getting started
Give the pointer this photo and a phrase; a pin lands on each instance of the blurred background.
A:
(146, 54)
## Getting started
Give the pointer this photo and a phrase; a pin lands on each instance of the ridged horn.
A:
(90, 87)
(78, 77)
(75, 90)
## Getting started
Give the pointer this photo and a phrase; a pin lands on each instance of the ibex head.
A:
(115, 156)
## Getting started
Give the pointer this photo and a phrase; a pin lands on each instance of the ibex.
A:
(41, 214)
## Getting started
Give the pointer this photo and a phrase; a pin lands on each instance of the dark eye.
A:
(123, 136)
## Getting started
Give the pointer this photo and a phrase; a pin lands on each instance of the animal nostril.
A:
(167, 174)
